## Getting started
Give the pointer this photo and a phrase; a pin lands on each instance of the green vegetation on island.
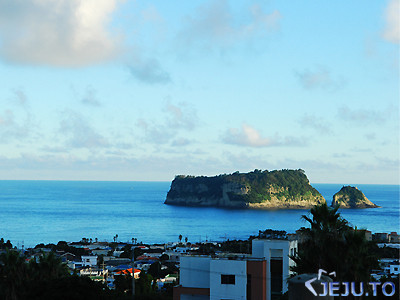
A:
(351, 197)
(257, 189)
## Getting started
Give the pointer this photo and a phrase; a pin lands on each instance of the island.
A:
(351, 197)
(278, 189)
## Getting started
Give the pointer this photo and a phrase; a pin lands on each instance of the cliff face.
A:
(351, 197)
(258, 189)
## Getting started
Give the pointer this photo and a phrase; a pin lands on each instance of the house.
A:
(260, 276)
(111, 278)
(175, 254)
(169, 279)
(103, 252)
(128, 271)
(368, 235)
(381, 237)
(394, 238)
(95, 274)
(89, 261)
(66, 257)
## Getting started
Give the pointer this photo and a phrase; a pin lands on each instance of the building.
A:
(203, 277)
(276, 253)
(368, 235)
(260, 276)
(89, 261)
(380, 237)
(394, 238)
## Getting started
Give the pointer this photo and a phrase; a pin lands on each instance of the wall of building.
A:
(256, 286)
(235, 291)
(195, 271)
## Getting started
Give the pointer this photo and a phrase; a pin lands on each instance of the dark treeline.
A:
(48, 278)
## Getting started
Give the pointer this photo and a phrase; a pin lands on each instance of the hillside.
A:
(257, 189)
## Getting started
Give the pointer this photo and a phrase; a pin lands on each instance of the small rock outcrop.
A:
(277, 189)
(351, 197)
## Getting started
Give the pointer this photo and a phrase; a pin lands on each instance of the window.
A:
(276, 266)
(248, 289)
(227, 279)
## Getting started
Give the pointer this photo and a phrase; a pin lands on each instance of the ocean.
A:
(33, 212)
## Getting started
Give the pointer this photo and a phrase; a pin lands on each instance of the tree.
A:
(155, 270)
(13, 275)
(143, 284)
(49, 267)
(333, 245)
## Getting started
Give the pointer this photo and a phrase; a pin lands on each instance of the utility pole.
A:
(133, 272)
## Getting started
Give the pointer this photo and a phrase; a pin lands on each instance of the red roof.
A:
(127, 271)
(145, 257)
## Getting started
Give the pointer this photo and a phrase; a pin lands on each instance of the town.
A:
(256, 268)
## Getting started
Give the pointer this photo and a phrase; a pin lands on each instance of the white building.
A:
(260, 276)
(276, 253)
(89, 261)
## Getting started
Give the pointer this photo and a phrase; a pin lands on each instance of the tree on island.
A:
(333, 245)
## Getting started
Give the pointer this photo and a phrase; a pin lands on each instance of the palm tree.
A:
(333, 245)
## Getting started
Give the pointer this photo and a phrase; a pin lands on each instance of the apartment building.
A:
(260, 276)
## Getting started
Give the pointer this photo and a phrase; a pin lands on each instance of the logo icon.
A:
(308, 282)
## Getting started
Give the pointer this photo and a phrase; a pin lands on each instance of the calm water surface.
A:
(48, 211)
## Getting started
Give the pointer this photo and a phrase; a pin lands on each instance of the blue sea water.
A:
(49, 211)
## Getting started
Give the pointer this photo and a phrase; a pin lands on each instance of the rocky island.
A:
(278, 189)
(351, 197)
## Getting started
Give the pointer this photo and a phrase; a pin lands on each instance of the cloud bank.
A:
(57, 32)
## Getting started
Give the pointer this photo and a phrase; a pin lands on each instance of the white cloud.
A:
(317, 123)
(149, 71)
(246, 136)
(363, 116)
(20, 97)
(90, 97)
(180, 142)
(79, 133)
(320, 78)
(178, 118)
(250, 137)
(214, 25)
(182, 116)
(391, 32)
(11, 127)
(57, 32)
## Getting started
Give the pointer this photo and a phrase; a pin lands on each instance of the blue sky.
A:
(146, 90)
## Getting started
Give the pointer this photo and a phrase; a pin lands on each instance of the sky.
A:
(146, 90)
